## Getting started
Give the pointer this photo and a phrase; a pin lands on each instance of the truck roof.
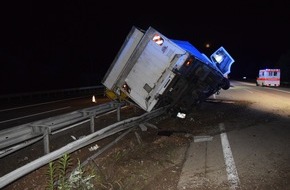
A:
(190, 48)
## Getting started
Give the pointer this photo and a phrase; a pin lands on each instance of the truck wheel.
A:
(226, 84)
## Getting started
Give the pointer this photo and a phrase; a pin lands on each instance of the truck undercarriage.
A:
(193, 86)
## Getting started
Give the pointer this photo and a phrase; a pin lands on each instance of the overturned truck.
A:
(155, 71)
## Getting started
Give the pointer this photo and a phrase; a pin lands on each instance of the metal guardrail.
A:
(71, 147)
(15, 138)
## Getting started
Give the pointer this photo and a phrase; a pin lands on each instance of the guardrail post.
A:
(46, 140)
(118, 112)
(92, 124)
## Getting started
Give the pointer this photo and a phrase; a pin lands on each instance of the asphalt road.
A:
(249, 153)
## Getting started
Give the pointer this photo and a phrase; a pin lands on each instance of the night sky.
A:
(71, 44)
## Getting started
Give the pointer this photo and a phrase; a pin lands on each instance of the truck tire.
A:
(225, 84)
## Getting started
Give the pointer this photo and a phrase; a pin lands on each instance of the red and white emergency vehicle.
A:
(268, 77)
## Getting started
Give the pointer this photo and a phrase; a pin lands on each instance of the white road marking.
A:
(232, 173)
(268, 88)
(34, 114)
(32, 105)
(280, 90)
(248, 91)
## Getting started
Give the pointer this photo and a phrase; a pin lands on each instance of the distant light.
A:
(244, 77)
(207, 45)
(181, 115)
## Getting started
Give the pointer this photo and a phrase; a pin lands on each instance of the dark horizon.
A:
(72, 44)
